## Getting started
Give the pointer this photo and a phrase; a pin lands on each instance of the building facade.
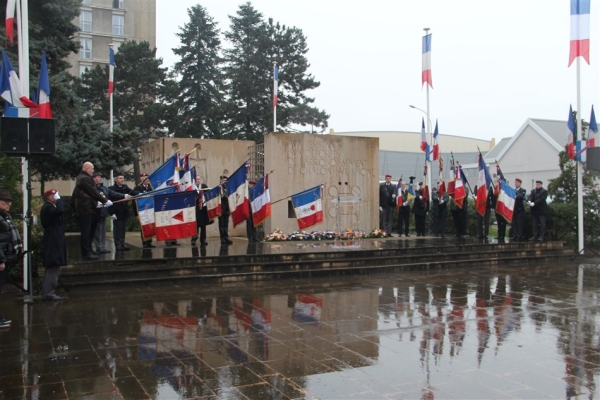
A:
(106, 22)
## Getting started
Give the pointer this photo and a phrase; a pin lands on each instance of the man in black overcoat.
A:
(54, 246)
(201, 212)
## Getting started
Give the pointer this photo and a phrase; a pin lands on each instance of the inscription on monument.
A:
(322, 158)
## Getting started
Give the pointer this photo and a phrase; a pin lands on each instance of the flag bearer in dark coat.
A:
(420, 209)
(539, 211)
(387, 203)
(120, 212)
(439, 208)
(102, 214)
(54, 245)
(518, 221)
(201, 212)
(224, 217)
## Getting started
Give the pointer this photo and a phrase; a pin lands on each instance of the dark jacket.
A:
(7, 250)
(109, 194)
(519, 197)
(87, 195)
(54, 244)
(538, 196)
(385, 195)
(201, 209)
(225, 202)
(419, 204)
(120, 209)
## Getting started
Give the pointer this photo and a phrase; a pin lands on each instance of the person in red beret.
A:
(54, 247)
(518, 221)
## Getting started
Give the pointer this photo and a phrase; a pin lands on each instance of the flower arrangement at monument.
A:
(348, 234)
(377, 233)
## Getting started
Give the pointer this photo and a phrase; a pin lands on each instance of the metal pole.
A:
(275, 89)
(579, 166)
(429, 135)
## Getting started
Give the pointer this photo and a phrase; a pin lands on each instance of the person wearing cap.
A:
(202, 219)
(143, 187)
(387, 203)
(10, 243)
(120, 212)
(224, 217)
(539, 211)
(420, 210)
(87, 199)
(102, 213)
(251, 233)
(404, 211)
(54, 245)
(518, 221)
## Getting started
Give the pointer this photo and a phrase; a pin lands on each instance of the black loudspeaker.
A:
(13, 136)
(593, 159)
(41, 136)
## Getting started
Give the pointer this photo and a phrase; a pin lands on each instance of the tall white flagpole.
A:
(275, 99)
(579, 166)
(429, 136)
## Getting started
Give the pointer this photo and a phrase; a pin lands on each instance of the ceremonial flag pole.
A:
(426, 78)
(275, 84)
(579, 47)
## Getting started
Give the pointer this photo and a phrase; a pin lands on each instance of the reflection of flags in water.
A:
(506, 201)
(213, 202)
(307, 206)
(145, 207)
(237, 192)
(260, 200)
(175, 215)
(308, 308)
(163, 176)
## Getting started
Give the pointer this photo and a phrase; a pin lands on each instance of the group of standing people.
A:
(438, 207)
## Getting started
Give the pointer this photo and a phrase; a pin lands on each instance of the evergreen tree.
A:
(255, 47)
(139, 80)
(200, 97)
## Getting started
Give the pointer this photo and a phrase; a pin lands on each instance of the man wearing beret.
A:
(54, 246)
(539, 211)
(10, 243)
(518, 221)
(87, 199)
(387, 203)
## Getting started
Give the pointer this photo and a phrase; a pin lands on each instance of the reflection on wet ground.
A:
(511, 332)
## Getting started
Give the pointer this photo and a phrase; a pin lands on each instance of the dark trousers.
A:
(120, 227)
(462, 217)
(403, 219)
(388, 219)
(439, 222)
(87, 227)
(539, 226)
(518, 223)
(420, 224)
(483, 224)
(251, 230)
(456, 220)
(202, 229)
(223, 227)
(50, 281)
(501, 226)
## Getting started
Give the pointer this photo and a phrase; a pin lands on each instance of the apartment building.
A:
(105, 22)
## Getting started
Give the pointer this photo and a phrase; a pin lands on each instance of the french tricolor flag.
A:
(580, 30)
(260, 200)
(111, 71)
(592, 130)
(175, 215)
(9, 24)
(213, 202)
(436, 143)
(571, 135)
(423, 136)
(44, 90)
(308, 208)
(426, 72)
(10, 88)
(275, 84)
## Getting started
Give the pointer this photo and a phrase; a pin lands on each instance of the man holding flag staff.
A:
(518, 221)
(404, 198)
(539, 211)
(387, 203)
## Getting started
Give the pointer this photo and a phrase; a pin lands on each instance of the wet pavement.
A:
(510, 332)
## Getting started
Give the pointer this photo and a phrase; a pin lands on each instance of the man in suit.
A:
(539, 211)
(120, 212)
(518, 221)
(201, 212)
(387, 203)
(224, 217)
(420, 209)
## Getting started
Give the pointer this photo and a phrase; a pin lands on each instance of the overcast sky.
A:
(494, 63)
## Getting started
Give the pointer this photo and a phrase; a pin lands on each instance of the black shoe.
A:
(390, 235)
(5, 321)
(193, 243)
(91, 257)
(533, 238)
(540, 239)
(94, 252)
(104, 251)
(144, 245)
(443, 235)
(407, 235)
(54, 298)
